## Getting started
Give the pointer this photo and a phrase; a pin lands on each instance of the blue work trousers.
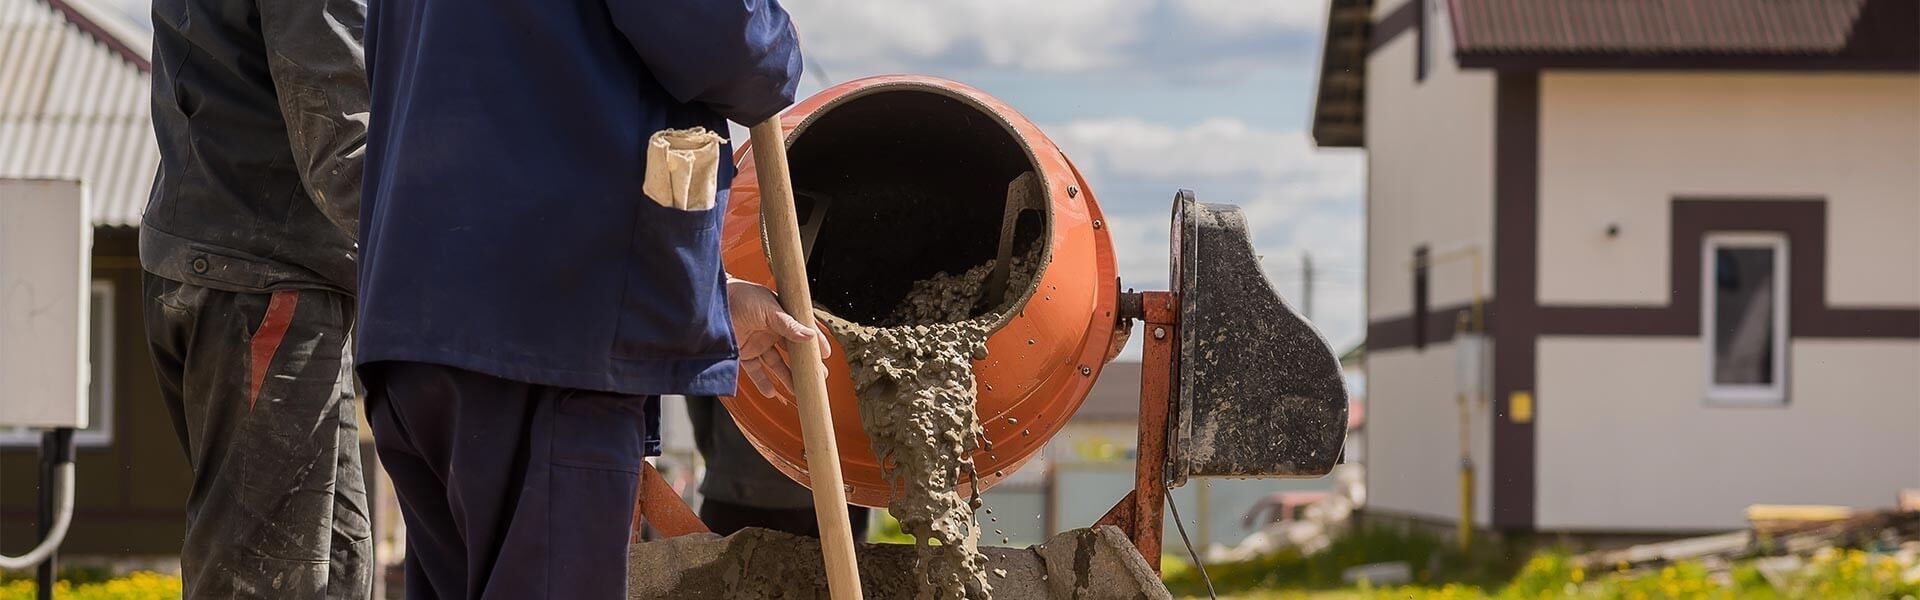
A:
(509, 490)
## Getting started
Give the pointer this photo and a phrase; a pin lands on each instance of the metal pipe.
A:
(1465, 527)
(56, 509)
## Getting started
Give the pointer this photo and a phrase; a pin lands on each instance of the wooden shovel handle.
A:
(809, 374)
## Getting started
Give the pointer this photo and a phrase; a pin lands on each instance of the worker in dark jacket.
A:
(260, 110)
(524, 295)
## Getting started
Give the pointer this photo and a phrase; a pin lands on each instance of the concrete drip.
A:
(914, 378)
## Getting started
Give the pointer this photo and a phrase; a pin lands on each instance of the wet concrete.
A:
(758, 564)
(914, 377)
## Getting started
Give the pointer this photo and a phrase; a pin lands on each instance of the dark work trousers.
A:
(278, 507)
(510, 490)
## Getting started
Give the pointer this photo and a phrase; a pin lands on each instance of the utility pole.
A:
(1306, 284)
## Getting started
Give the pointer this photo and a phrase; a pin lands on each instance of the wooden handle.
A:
(809, 375)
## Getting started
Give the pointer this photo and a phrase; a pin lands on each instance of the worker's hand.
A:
(759, 326)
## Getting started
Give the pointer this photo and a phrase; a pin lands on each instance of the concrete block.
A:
(757, 564)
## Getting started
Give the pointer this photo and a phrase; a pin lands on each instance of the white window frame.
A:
(1774, 394)
(97, 435)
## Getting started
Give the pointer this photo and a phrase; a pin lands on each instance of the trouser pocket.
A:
(598, 442)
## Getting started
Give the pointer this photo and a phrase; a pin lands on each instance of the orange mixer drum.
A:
(899, 178)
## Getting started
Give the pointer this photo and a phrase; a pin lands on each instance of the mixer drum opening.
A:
(915, 182)
(898, 179)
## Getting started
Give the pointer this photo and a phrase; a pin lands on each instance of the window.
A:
(1744, 317)
(99, 431)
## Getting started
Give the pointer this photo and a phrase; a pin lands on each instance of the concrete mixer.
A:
(900, 178)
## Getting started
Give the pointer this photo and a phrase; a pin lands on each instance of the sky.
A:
(1146, 97)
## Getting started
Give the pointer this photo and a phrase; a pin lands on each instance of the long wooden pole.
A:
(809, 375)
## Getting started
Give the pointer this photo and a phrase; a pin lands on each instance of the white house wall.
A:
(1626, 442)
(1616, 148)
(1413, 436)
(1430, 181)
(1625, 439)
(1429, 170)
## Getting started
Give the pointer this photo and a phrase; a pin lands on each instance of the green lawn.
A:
(1490, 573)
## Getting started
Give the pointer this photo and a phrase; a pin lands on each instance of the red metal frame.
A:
(658, 505)
(1140, 514)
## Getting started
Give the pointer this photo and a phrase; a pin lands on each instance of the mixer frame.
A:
(1139, 515)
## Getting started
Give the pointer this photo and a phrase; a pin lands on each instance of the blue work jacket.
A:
(503, 228)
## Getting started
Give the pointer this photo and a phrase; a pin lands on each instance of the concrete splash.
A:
(914, 377)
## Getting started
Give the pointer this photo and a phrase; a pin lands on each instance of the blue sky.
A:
(1146, 96)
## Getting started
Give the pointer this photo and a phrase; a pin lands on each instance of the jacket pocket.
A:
(674, 305)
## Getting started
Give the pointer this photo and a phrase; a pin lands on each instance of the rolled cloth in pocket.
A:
(682, 165)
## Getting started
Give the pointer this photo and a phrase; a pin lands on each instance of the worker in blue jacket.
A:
(523, 298)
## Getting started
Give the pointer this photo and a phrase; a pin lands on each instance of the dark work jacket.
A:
(260, 109)
(504, 229)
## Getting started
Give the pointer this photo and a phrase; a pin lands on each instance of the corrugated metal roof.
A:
(73, 103)
(1709, 27)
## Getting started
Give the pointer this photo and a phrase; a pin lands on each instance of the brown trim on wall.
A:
(1516, 209)
(1900, 323)
(1802, 220)
(1401, 20)
(1420, 58)
(1393, 333)
(1421, 270)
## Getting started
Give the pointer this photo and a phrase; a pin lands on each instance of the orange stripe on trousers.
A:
(266, 341)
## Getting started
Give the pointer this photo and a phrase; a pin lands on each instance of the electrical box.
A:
(1470, 366)
(46, 244)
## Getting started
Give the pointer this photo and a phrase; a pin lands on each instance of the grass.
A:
(1834, 573)
(1434, 562)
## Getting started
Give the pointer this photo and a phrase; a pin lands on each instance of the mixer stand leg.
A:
(659, 506)
(1140, 514)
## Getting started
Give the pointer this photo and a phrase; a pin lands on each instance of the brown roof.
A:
(1871, 35)
(1886, 30)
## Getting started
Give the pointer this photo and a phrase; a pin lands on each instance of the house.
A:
(73, 105)
(74, 81)
(1686, 229)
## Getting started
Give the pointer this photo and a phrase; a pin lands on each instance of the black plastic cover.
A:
(1260, 392)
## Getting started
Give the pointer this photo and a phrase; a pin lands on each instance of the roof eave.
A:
(1524, 61)
(123, 38)
(1339, 111)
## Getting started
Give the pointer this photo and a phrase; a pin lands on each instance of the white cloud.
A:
(862, 37)
(1214, 147)
(1297, 200)
(1039, 35)
(1239, 16)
